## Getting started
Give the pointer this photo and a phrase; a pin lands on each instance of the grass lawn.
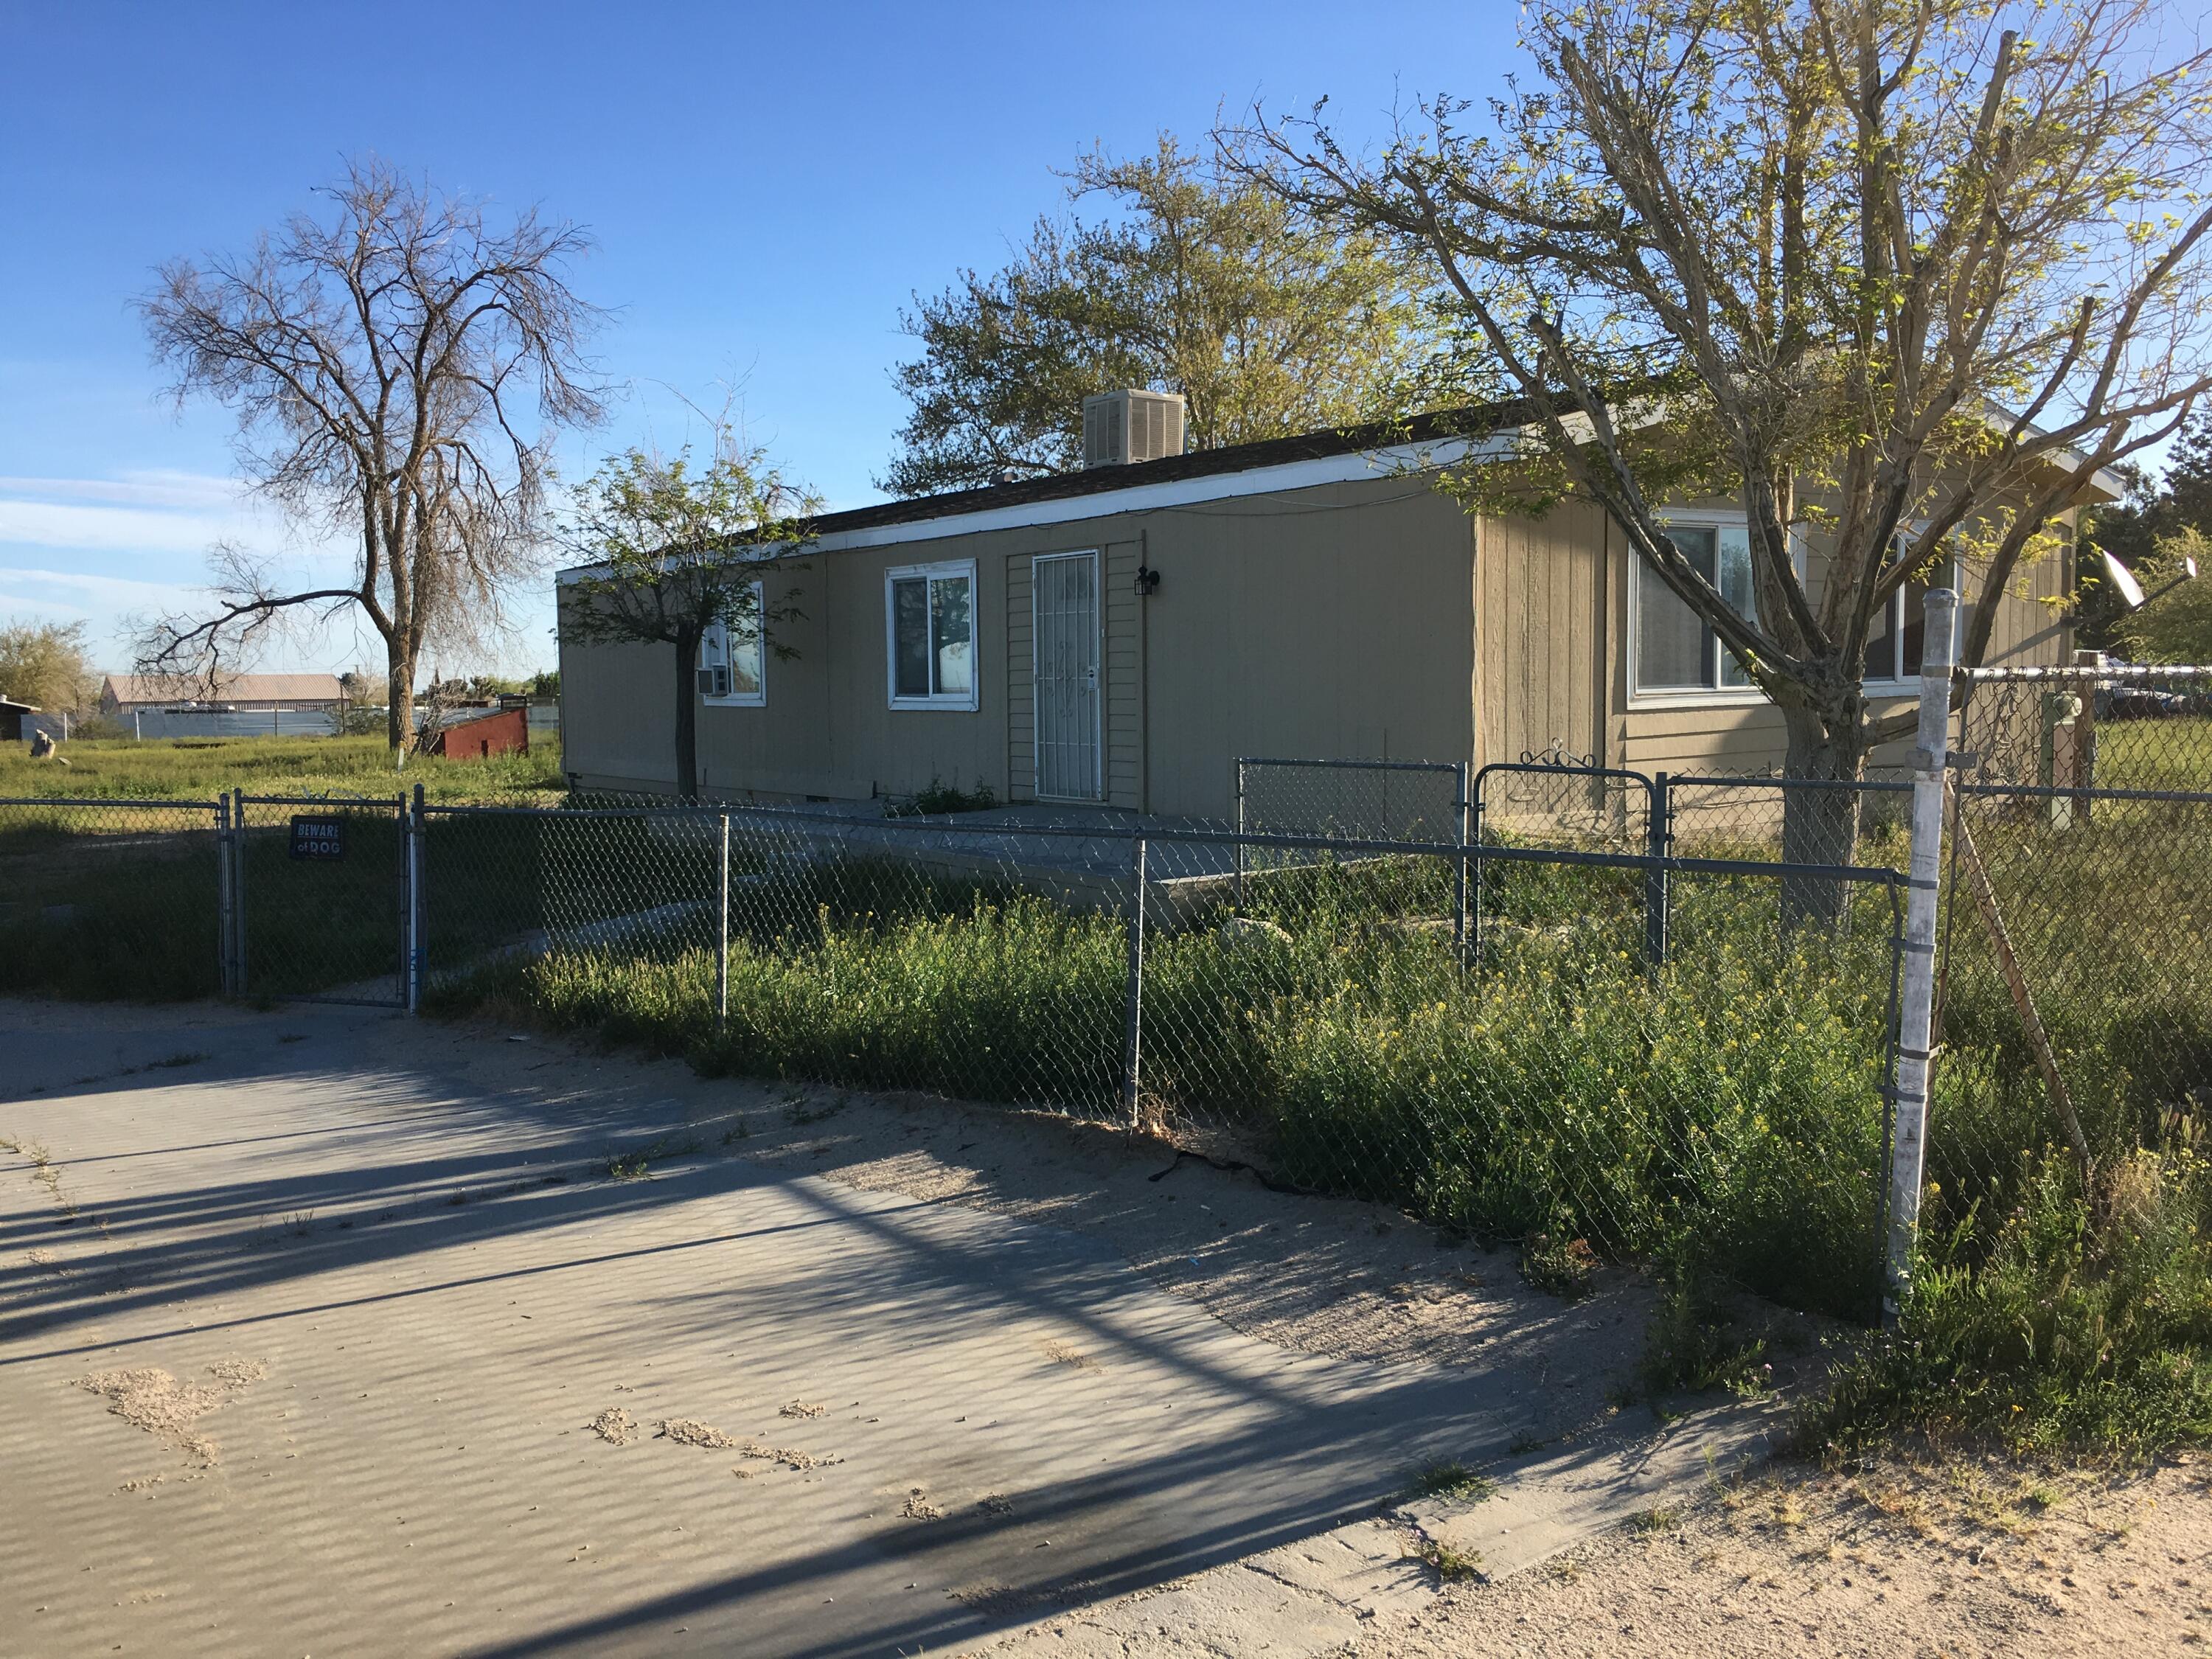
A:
(198, 769)
(2167, 754)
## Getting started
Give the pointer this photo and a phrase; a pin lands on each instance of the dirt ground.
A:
(327, 1332)
(1947, 1558)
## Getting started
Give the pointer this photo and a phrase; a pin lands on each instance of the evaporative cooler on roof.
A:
(1122, 426)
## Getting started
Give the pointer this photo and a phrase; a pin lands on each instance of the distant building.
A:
(122, 696)
(480, 733)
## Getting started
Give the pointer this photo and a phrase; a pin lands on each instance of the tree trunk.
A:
(399, 698)
(687, 713)
(1820, 826)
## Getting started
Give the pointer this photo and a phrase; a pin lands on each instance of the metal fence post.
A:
(223, 895)
(1659, 843)
(1238, 887)
(418, 904)
(1459, 867)
(1475, 878)
(722, 942)
(1908, 1093)
(2085, 737)
(238, 974)
(1133, 1022)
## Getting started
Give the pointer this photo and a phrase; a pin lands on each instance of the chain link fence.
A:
(317, 898)
(1318, 1006)
(2074, 991)
(1547, 1002)
(110, 898)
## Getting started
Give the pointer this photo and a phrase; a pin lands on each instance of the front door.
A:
(1064, 591)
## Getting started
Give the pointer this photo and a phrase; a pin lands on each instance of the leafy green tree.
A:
(672, 550)
(46, 664)
(1199, 281)
(1805, 255)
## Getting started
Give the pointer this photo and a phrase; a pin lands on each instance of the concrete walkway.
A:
(305, 1327)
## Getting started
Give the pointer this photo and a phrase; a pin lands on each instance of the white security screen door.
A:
(1064, 595)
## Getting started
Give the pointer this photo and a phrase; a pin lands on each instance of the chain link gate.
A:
(318, 898)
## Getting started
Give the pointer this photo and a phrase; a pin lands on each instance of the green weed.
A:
(1451, 1565)
(2058, 1330)
(1453, 1480)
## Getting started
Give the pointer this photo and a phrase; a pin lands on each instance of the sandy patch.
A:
(918, 1506)
(802, 1408)
(1955, 1555)
(684, 1431)
(149, 1398)
(614, 1426)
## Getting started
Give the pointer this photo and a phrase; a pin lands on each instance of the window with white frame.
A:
(1677, 654)
(1899, 633)
(929, 620)
(731, 659)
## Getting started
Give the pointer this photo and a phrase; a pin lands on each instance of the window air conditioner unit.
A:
(714, 682)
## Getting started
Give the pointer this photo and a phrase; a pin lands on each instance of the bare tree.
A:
(1899, 276)
(399, 374)
(671, 552)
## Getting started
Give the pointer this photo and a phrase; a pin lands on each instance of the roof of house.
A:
(228, 687)
(1415, 443)
(1436, 427)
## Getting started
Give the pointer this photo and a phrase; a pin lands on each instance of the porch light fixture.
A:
(1148, 582)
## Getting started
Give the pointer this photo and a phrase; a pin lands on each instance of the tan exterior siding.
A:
(1021, 670)
(1123, 669)
(1372, 619)
(1541, 608)
(1331, 621)
(617, 706)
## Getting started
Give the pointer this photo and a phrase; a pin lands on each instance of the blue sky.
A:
(768, 185)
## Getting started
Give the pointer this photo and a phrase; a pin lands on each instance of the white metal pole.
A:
(1917, 998)
(1133, 1030)
(723, 945)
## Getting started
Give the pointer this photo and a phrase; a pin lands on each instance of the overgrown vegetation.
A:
(1720, 1120)
(2058, 1324)
(1561, 1092)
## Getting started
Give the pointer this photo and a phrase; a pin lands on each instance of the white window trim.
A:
(1686, 697)
(1909, 687)
(741, 699)
(968, 700)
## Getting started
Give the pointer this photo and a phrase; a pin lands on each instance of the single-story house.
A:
(123, 695)
(12, 715)
(1120, 634)
(480, 733)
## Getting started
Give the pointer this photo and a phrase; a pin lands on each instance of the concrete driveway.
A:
(301, 1340)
